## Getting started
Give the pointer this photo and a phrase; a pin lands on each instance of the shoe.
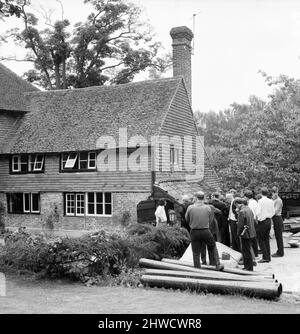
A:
(276, 255)
(220, 267)
(263, 261)
(246, 269)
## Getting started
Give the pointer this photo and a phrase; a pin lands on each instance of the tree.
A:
(9, 8)
(110, 47)
(257, 144)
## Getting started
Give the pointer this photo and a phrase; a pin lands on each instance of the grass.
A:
(26, 294)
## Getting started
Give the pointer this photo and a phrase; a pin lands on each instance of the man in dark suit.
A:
(187, 201)
(245, 230)
(222, 218)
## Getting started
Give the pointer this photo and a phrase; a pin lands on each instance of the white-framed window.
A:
(70, 204)
(81, 161)
(23, 163)
(80, 204)
(26, 202)
(15, 163)
(90, 204)
(19, 163)
(35, 162)
(92, 157)
(99, 204)
(71, 160)
(35, 203)
(23, 202)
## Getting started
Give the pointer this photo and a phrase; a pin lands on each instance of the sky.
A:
(234, 39)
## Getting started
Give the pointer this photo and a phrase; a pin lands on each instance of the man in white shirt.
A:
(278, 222)
(235, 241)
(160, 213)
(265, 213)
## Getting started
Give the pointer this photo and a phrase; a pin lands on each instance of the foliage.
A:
(9, 8)
(257, 144)
(155, 243)
(93, 256)
(110, 46)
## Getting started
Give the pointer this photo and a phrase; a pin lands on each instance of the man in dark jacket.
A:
(198, 217)
(222, 218)
(187, 201)
(245, 230)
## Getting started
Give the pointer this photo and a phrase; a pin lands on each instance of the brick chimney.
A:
(182, 52)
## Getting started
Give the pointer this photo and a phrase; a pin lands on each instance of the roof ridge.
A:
(103, 87)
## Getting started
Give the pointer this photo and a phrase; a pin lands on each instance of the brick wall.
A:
(122, 203)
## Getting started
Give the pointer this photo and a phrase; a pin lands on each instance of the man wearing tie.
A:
(265, 212)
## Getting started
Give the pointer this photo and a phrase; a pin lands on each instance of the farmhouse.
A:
(86, 159)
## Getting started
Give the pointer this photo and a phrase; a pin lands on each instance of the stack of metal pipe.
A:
(170, 273)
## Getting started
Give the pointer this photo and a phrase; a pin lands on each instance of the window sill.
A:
(22, 173)
(78, 171)
(24, 213)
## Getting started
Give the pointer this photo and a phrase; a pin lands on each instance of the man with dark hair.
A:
(198, 216)
(278, 222)
(187, 201)
(246, 231)
(265, 213)
(160, 213)
(235, 241)
(253, 205)
(222, 218)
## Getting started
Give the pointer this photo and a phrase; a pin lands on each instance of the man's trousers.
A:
(235, 240)
(247, 253)
(278, 228)
(200, 239)
(263, 238)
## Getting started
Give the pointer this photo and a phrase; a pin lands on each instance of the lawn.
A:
(28, 295)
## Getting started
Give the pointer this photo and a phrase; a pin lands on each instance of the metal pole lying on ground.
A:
(209, 274)
(176, 266)
(226, 270)
(253, 289)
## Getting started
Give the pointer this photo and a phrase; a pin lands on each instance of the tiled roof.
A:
(12, 89)
(66, 120)
(177, 189)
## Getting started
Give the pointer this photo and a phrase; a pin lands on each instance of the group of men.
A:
(241, 221)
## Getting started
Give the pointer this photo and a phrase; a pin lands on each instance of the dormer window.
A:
(32, 163)
(78, 161)
(35, 162)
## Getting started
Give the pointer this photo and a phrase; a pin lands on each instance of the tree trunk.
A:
(64, 79)
(57, 76)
